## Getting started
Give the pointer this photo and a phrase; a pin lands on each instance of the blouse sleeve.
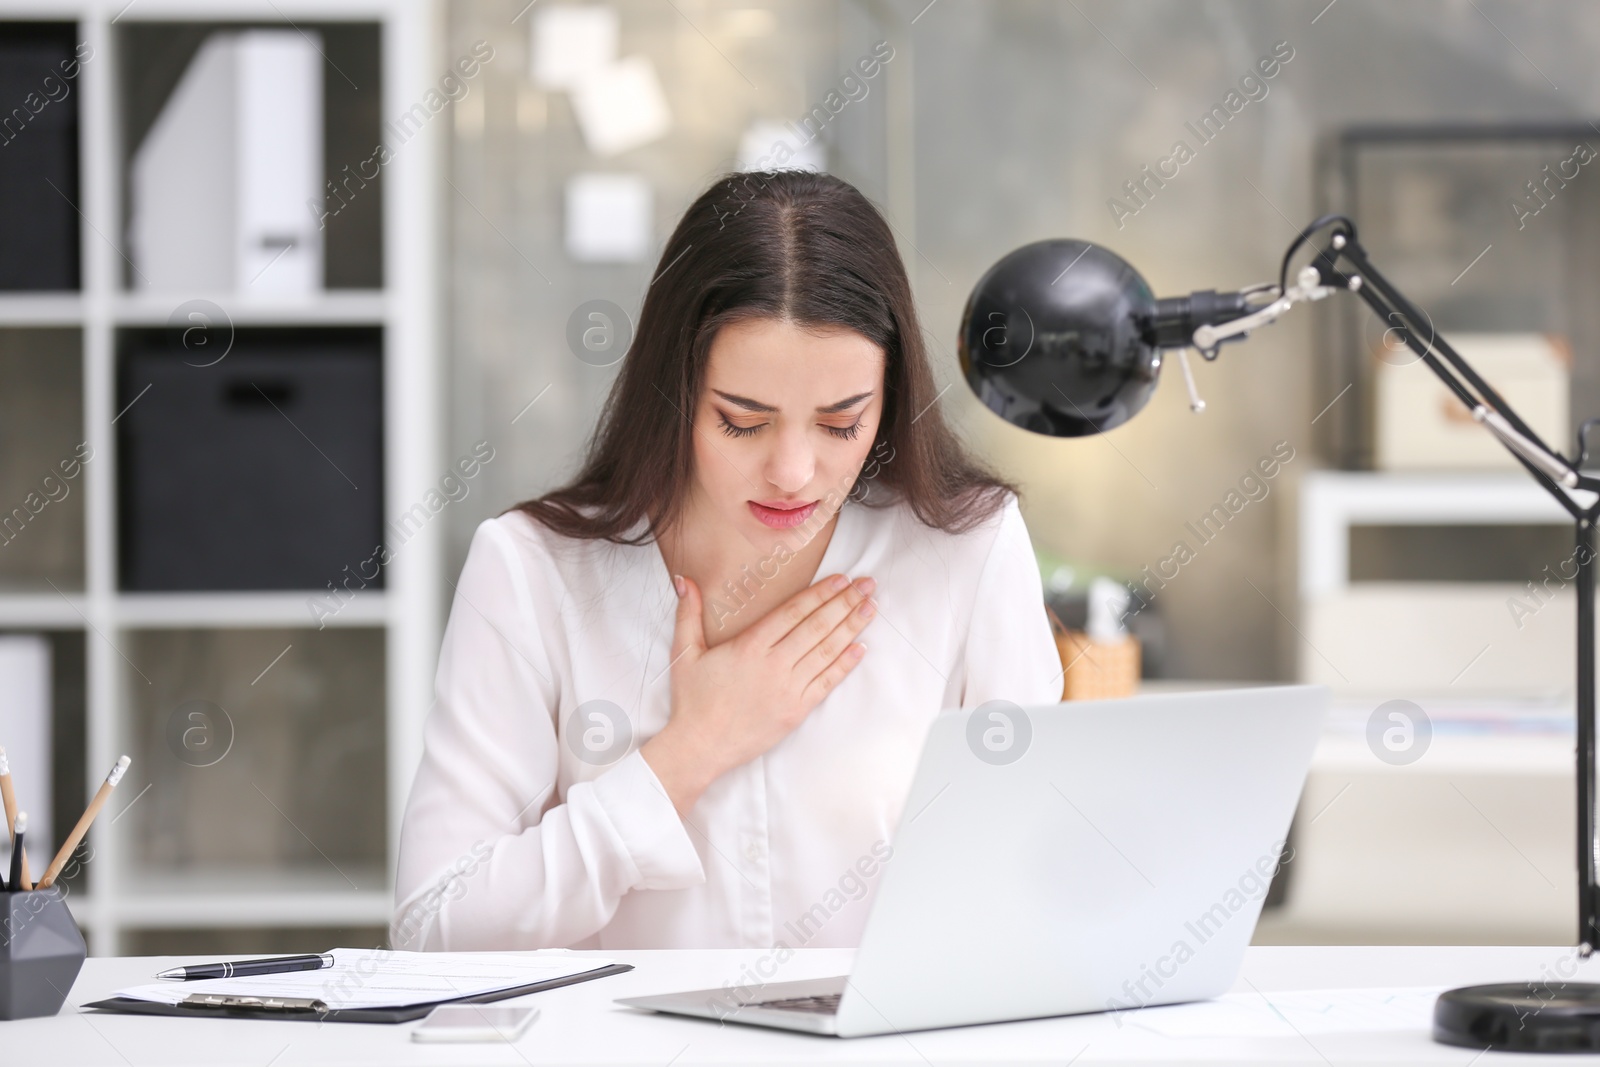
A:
(1011, 653)
(491, 856)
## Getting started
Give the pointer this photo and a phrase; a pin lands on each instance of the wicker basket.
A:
(1092, 670)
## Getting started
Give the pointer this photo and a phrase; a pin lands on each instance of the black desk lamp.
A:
(1065, 338)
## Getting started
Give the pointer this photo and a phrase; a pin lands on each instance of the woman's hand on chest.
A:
(733, 702)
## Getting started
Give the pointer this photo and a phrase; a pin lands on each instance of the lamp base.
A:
(1520, 1017)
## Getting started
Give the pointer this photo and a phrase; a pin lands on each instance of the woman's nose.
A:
(791, 465)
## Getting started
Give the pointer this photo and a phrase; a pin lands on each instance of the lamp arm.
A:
(1551, 470)
(1316, 280)
(1548, 467)
(1350, 249)
(1526, 450)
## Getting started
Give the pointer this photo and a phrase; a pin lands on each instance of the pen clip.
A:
(225, 1000)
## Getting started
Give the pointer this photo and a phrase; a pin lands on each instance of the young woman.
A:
(680, 700)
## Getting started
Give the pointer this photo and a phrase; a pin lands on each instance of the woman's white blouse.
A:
(534, 822)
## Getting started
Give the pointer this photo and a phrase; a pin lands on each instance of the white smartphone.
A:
(475, 1022)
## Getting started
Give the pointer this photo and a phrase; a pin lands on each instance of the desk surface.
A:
(581, 1025)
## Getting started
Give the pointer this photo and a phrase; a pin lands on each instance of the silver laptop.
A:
(1078, 857)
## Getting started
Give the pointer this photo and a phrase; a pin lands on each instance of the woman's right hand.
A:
(733, 702)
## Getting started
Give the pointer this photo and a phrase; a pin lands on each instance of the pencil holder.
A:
(1097, 671)
(41, 951)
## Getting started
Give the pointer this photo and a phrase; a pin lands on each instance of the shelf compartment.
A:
(1332, 503)
(1432, 200)
(353, 237)
(253, 461)
(39, 188)
(67, 740)
(263, 749)
(42, 460)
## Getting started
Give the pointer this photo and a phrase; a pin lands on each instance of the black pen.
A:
(245, 968)
(14, 884)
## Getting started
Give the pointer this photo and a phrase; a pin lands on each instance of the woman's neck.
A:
(739, 580)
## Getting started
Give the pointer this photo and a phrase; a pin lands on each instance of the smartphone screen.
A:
(475, 1022)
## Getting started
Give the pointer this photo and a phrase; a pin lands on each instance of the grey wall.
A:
(997, 124)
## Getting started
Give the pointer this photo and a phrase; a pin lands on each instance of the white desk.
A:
(580, 1025)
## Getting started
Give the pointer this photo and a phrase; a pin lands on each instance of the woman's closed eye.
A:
(736, 431)
(847, 433)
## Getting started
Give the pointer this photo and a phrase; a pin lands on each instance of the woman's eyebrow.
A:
(756, 405)
(744, 401)
(847, 402)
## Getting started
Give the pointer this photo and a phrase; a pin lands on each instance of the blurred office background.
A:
(216, 400)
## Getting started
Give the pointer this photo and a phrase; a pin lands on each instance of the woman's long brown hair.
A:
(792, 245)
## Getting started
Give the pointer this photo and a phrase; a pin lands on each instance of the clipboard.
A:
(403, 1014)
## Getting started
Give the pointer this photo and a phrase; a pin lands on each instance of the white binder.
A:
(227, 186)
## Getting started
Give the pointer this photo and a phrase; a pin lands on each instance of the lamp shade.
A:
(1056, 338)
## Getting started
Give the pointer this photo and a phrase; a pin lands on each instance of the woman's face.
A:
(783, 425)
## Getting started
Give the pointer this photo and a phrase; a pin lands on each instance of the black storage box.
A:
(262, 471)
(39, 86)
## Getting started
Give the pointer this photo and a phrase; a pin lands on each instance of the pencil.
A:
(82, 828)
(19, 830)
(9, 797)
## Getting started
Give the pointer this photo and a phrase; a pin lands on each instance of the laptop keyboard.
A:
(826, 1004)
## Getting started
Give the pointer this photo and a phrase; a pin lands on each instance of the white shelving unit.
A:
(1418, 636)
(408, 611)
(1331, 502)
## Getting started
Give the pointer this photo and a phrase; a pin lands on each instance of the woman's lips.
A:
(782, 518)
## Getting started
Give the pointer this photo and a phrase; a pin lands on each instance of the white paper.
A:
(375, 978)
(608, 218)
(1313, 1011)
(621, 106)
(568, 42)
